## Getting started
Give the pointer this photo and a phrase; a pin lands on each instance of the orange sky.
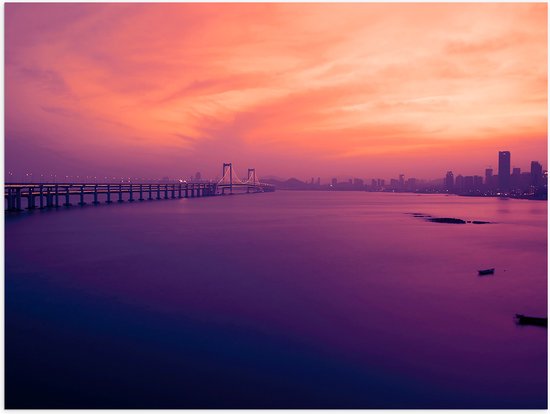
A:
(368, 90)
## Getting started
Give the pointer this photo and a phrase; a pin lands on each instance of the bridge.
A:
(231, 183)
(32, 196)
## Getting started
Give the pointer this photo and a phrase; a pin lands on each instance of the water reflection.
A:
(289, 299)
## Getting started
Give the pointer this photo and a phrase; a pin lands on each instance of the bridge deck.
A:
(19, 196)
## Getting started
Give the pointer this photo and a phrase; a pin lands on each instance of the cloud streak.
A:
(349, 87)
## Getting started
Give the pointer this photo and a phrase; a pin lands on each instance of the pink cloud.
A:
(181, 87)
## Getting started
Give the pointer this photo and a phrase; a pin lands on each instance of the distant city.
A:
(508, 182)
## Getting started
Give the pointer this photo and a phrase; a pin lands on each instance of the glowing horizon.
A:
(294, 90)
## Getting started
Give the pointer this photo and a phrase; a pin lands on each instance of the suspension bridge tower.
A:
(252, 176)
(230, 167)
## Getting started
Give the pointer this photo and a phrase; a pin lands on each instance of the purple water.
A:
(287, 299)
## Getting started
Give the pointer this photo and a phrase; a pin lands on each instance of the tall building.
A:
(401, 181)
(536, 173)
(515, 178)
(489, 178)
(411, 184)
(478, 182)
(525, 180)
(459, 184)
(468, 185)
(504, 170)
(449, 182)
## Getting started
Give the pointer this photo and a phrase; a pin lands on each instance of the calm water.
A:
(289, 299)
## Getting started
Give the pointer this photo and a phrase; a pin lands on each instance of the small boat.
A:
(486, 272)
(531, 320)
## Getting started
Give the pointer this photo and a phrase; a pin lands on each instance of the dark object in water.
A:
(480, 222)
(419, 214)
(486, 272)
(446, 220)
(531, 320)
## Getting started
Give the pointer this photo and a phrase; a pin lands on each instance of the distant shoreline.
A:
(411, 192)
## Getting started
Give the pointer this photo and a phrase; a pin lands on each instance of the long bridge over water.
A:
(30, 196)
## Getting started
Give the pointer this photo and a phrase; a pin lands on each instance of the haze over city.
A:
(368, 90)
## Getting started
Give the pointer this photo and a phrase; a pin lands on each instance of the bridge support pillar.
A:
(166, 191)
(82, 203)
(173, 191)
(56, 196)
(150, 192)
(96, 194)
(7, 200)
(17, 206)
(131, 199)
(108, 195)
(141, 192)
(179, 190)
(49, 198)
(120, 200)
(31, 205)
(67, 197)
(41, 197)
(11, 200)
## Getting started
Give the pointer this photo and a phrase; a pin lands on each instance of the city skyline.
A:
(198, 175)
(509, 181)
(271, 84)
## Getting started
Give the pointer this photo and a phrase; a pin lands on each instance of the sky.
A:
(294, 90)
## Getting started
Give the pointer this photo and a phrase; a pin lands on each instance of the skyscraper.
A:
(515, 178)
(478, 182)
(459, 184)
(489, 178)
(449, 182)
(504, 170)
(536, 173)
